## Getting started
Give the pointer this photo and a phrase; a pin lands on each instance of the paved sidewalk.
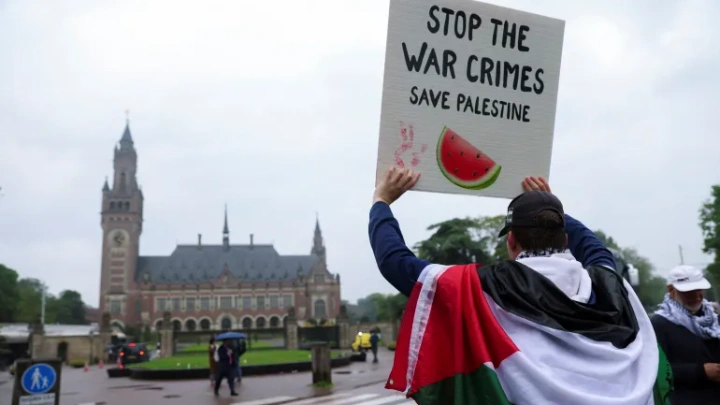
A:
(370, 395)
(94, 387)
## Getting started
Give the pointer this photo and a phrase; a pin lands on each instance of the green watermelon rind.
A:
(482, 183)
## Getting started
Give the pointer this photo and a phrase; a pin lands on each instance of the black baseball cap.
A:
(523, 210)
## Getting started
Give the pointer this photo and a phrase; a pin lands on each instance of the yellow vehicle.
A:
(362, 342)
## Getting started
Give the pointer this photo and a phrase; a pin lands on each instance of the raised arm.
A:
(582, 242)
(397, 263)
(585, 246)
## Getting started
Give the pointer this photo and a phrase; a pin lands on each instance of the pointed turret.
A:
(106, 186)
(126, 136)
(318, 248)
(226, 232)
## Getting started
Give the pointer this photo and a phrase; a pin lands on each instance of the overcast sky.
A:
(273, 108)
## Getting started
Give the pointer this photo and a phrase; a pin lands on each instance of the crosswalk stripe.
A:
(320, 400)
(266, 401)
(351, 399)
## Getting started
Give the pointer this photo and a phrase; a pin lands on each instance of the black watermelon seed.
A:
(478, 156)
(461, 153)
(487, 169)
(452, 137)
(474, 174)
(456, 170)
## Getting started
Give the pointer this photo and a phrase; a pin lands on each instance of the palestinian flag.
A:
(505, 334)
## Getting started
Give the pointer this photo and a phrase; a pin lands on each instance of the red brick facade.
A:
(203, 286)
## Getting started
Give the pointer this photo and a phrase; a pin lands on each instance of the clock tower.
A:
(121, 221)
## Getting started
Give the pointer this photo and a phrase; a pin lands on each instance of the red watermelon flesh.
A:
(463, 164)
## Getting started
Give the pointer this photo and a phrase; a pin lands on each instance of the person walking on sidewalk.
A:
(225, 361)
(374, 340)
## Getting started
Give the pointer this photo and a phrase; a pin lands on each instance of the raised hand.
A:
(535, 183)
(395, 182)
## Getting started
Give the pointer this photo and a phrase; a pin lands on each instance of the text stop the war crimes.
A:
(475, 69)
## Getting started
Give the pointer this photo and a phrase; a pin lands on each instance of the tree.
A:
(652, 288)
(455, 241)
(488, 230)
(29, 300)
(710, 227)
(368, 307)
(390, 307)
(69, 308)
(8, 294)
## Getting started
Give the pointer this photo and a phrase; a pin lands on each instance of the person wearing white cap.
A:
(688, 332)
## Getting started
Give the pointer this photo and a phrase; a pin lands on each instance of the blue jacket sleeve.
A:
(585, 246)
(397, 263)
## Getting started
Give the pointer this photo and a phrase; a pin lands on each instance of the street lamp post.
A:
(42, 305)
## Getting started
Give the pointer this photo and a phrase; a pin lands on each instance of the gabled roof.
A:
(199, 264)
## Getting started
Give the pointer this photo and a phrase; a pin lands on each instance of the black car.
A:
(133, 353)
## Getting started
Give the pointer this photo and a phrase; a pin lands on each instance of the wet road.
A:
(95, 388)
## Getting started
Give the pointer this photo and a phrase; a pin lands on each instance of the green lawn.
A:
(247, 359)
(203, 347)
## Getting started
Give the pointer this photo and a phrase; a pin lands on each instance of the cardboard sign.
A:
(469, 95)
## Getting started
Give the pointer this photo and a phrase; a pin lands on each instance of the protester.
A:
(687, 329)
(225, 367)
(374, 340)
(211, 360)
(541, 328)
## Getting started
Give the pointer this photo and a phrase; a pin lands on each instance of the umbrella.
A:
(230, 336)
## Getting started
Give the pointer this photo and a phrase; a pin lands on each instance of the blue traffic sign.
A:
(38, 378)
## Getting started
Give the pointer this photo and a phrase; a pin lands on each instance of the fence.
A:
(319, 334)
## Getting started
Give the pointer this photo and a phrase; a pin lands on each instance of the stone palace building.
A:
(205, 287)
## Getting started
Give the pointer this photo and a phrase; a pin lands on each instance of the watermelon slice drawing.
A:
(463, 164)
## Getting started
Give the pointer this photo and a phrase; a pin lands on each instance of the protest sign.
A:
(469, 95)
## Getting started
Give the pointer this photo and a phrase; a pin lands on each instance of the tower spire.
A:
(126, 138)
(226, 232)
(318, 248)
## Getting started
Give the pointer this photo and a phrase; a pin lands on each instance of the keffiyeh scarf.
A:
(706, 325)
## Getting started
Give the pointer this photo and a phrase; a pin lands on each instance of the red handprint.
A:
(407, 134)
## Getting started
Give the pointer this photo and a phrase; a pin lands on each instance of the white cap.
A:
(687, 278)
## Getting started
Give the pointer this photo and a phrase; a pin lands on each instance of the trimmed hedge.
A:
(77, 364)
(118, 372)
(204, 373)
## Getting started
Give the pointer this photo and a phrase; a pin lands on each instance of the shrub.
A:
(77, 363)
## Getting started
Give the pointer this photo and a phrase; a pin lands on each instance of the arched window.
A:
(247, 323)
(127, 206)
(260, 322)
(319, 309)
(205, 324)
(190, 325)
(226, 323)
(274, 322)
(177, 325)
(158, 324)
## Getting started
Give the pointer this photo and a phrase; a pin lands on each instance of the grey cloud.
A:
(225, 108)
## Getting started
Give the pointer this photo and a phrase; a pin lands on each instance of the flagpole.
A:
(680, 250)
